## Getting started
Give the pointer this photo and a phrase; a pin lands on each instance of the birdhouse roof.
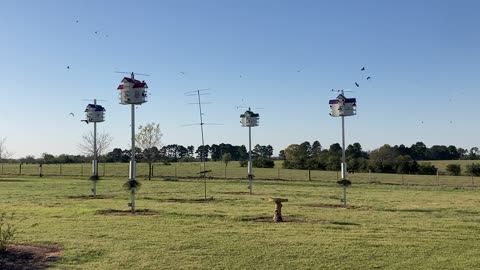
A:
(120, 87)
(94, 107)
(346, 100)
(250, 113)
(129, 80)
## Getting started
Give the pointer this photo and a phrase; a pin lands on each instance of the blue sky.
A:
(423, 57)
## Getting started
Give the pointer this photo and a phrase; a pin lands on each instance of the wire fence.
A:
(220, 171)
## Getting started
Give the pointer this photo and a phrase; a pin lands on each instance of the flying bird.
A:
(363, 69)
(68, 67)
(72, 114)
(96, 32)
(357, 84)
(183, 73)
(368, 78)
(76, 21)
(86, 121)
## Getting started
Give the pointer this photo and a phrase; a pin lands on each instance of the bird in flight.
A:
(72, 114)
(96, 32)
(86, 121)
(368, 78)
(68, 67)
(357, 84)
(183, 73)
(363, 69)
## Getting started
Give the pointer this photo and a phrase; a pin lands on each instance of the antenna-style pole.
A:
(95, 156)
(202, 158)
(132, 173)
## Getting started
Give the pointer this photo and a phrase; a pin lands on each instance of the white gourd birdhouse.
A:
(249, 119)
(95, 113)
(132, 91)
(342, 106)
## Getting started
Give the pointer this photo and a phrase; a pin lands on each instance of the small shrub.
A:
(7, 230)
(427, 168)
(474, 169)
(454, 169)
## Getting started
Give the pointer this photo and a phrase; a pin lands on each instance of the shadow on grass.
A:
(86, 197)
(13, 180)
(410, 210)
(344, 223)
(29, 256)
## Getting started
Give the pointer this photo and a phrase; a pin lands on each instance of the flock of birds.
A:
(368, 77)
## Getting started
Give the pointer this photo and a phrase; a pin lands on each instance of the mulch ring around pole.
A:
(86, 197)
(29, 256)
(269, 219)
(210, 199)
(138, 212)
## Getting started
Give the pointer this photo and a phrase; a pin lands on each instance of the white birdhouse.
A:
(95, 113)
(132, 91)
(249, 119)
(342, 106)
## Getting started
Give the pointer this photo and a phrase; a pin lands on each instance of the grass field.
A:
(234, 171)
(387, 226)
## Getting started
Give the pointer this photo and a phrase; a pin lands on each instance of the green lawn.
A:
(387, 226)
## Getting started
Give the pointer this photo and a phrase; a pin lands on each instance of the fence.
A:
(219, 170)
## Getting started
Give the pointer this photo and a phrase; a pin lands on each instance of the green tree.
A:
(149, 139)
(454, 169)
(226, 158)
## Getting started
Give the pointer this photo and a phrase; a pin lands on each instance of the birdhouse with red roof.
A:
(94, 113)
(342, 106)
(132, 91)
(249, 119)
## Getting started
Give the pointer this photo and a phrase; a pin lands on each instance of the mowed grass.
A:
(218, 170)
(387, 226)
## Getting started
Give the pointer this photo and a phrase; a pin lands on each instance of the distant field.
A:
(234, 171)
(442, 164)
(386, 226)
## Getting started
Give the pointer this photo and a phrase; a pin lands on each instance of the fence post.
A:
(309, 175)
(81, 169)
(175, 170)
(104, 163)
(20, 170)
(225, 171)
(278, 174)
(60, 169)
(2, 169)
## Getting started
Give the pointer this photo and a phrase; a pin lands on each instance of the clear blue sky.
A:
(423, 57)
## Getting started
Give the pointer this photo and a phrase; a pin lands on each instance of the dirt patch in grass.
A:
(87, 197)
(29, 256)
(211, 199)
(242, 193)
(138, 212)
(340, 206)
(270, 219)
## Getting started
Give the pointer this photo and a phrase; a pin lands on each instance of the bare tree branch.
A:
(4, 154)
(103, 143)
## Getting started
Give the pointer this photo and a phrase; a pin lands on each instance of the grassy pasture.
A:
(234, 171)
(442, 164)
(387, 226)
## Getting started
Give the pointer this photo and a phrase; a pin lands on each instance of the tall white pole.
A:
(344, 163)
(132, 172)
(95, 156)
(250, 174)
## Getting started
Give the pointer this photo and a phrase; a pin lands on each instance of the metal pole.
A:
(202, 158)
(95, 162)
(250, 175)
(132, 172)
(344, 164)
